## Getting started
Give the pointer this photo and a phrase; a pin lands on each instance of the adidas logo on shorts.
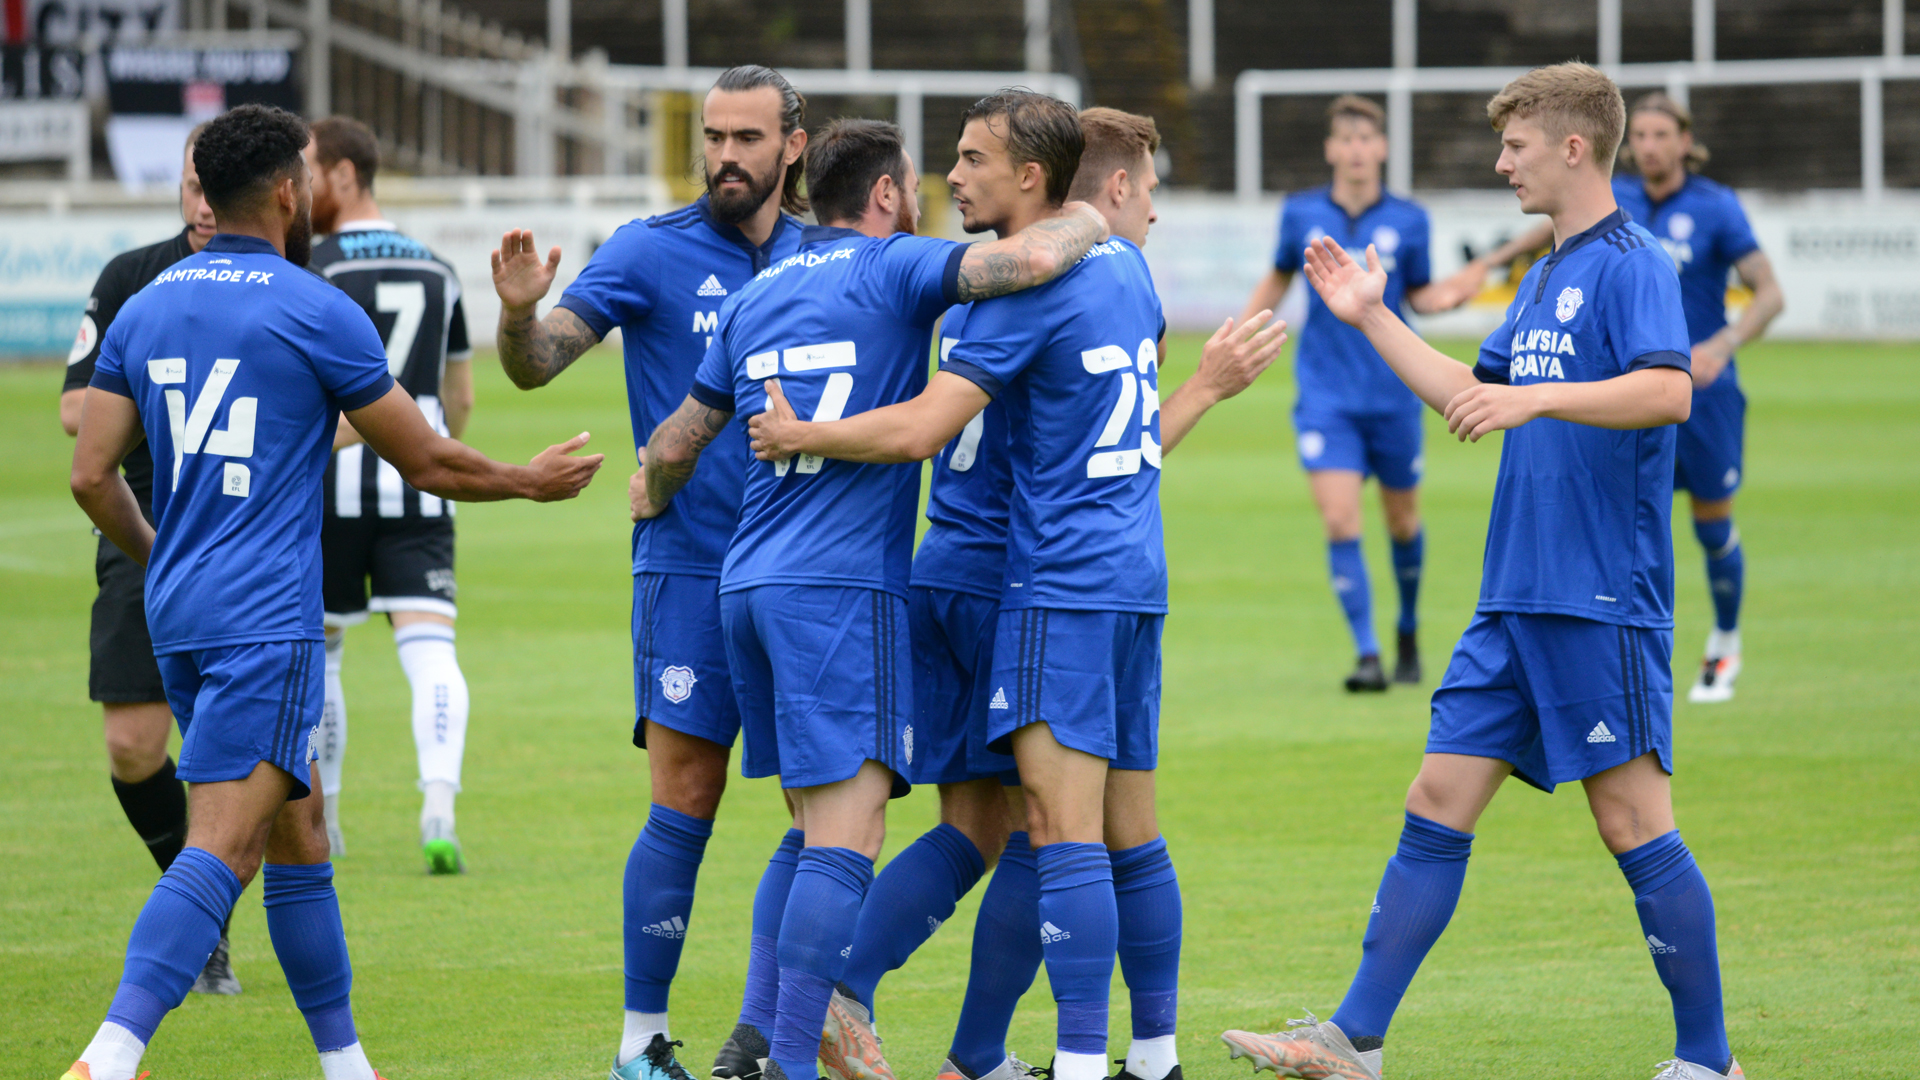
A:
(999, 699)
(1658, 947)
(667, 928)
(1050, 932)
(711, 287)
(1600, 734)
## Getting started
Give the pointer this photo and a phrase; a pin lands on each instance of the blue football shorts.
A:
(680, 659)
(1386, 445)
(1710, 446)
(824, 680)
(952, 637)
(1093, 677)
(1560, 697)
(240, 705)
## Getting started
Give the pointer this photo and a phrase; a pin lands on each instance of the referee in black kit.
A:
(123, 676)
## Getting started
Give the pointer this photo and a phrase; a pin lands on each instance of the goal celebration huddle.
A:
(288, 415)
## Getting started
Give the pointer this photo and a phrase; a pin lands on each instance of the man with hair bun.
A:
(1564, 673)
(235, 341)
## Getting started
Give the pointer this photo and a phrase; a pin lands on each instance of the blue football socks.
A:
(303, 918)
(1408, 558)
(910, 899)
(175, 933)
(1726, 569)
(1349, 572)
(1676, 915)
(1079, 934)
(1147, 894)
(829, 885)
(1006, 957)
(1416, 900)
(658, 902)
(761, 1000)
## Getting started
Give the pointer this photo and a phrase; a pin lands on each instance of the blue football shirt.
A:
(240, 363)
(965, 545)
(662, 281)
(1335, 367)
(844, 325)
(1581, 514)
(1703, 227)
(1076, 362)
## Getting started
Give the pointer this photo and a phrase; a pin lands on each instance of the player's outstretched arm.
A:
(1357, 295)
(1650, 397)
(533, 351)
(1033, 256)
(394, 427)
(1465, 283)
(109, 429)
(1232, 358)
(913, 430)
(671, 453)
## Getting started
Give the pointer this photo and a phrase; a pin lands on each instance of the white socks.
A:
(1071, 1066)
(330, 741)
(1152, 1059)
(638, 1032)
(114, 1053)
(1723, 643)
(347, 1063)
(439, 711)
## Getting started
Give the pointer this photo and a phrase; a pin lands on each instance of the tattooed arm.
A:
(1033, 256)
(671, 454)
(533, 351)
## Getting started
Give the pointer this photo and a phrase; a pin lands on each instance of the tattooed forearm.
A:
(674, 449)
(533, 351)
(1033, 256)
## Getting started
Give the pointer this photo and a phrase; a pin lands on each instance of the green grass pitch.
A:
(1280, 795)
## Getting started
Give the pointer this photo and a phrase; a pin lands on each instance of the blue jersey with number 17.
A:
(239, 362)
(843, 325)
(1076, 362)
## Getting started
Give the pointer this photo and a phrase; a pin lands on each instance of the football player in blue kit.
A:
(813, 589)
(234, 366)
(1701, 225)
(1075, 669)
(1563, 674)
(662, 280)
(1353, 419)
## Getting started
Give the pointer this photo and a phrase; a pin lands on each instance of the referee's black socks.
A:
(157, 809)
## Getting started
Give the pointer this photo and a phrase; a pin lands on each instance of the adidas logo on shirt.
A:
(1050, 932)
(1600, 734)
(1658, 947)
(711, 287)
(667, 928)
(999, 699)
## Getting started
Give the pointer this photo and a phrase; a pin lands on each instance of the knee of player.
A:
(694, 790)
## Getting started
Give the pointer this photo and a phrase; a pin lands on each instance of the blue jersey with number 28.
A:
(1077, 364)
(843, 325)
(240, 363)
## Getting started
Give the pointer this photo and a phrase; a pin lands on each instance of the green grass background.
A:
(1280, 795)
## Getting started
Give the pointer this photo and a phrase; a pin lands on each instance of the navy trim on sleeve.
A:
(974, 374)
(113, 383)
(950, 280)
(592, 316)
(368, 396)
(1662, 358)
(711, 398)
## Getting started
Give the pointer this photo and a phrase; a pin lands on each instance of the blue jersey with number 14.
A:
(1077, 364)
(239, 362)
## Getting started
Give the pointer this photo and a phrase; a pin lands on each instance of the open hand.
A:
(1484, 408)
(775, 434)
(558, 475)
(1351, 292)
(519, 276)
(1235, 356)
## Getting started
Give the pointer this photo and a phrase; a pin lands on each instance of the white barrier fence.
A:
(1849, 270)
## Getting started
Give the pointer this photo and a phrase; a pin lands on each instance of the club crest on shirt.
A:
(1569, 303)
(677, 683)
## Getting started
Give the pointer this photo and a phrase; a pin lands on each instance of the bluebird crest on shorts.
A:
(677, 683)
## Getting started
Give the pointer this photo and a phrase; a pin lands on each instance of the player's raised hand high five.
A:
(519, 276)
(1351, 291)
